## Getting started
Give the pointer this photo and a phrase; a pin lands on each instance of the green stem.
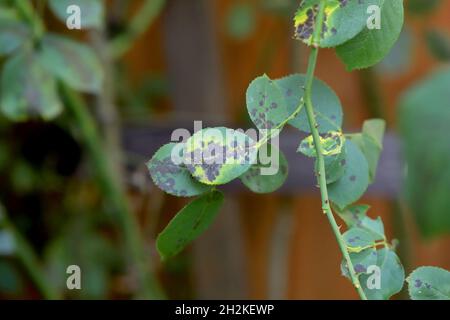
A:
(26, 10)
(320, 159)
(27, 257)
(149, 287)
(145, 16)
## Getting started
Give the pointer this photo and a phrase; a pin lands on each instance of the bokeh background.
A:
(186, 60)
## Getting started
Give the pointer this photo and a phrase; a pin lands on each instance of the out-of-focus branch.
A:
(140, 22)
(27, 257)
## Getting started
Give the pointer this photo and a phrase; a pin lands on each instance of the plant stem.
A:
(145, 16)
(149, 287)
(320, 159)
(27, 257)
(26, 10)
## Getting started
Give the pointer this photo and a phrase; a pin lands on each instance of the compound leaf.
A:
(189, 223)
(74, 63)
(169, 173)
(28, 90)
(429, 283)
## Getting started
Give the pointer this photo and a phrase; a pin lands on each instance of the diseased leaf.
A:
(169, 174)
(355, 216)
(327, 106)
(265, 103)
(267, 177)
(392, 276)
(12, 35)
(370, 141)
(343, 20)
(424, 115)
(354, 182)
(361, 262)
(334, 166)
(429, 283)
(358, 239)
(189, 223)
(74, 63)
(372, 45)
(28, 90)
(216, 156)
(91, 11)
(332, 143)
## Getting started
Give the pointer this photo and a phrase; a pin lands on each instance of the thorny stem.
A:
(321, 174)
(148, 285)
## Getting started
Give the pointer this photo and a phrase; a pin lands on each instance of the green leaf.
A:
(354, 182)
(265, 103)
(334, 166)
(327, 106)
(12, 36)
(355, 216)
(188, 224)
(172, 176)
(332, 143)
(27, 89)
(424, 116)
(370, 141)
(343, 20)
(371, 46)
(439, 44)
(429, 283)
(361, 262)
(216, 156)
(358, 239)
(241, 21)
(392, 276)
(74, 63)
(92, 11)
(259, 177)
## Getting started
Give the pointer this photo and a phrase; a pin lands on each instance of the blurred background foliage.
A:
(72, 193)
